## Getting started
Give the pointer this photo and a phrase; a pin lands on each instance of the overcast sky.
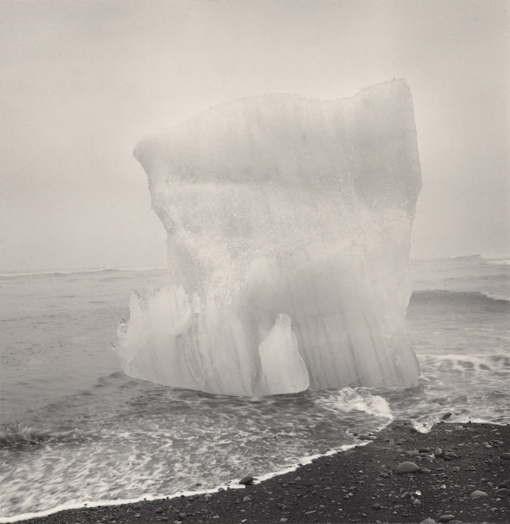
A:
(82, 81)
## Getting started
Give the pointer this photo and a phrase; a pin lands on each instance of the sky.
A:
(82, 81)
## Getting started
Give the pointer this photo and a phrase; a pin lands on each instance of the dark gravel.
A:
(360, 485)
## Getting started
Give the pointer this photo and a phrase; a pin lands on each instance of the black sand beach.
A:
(462, 475)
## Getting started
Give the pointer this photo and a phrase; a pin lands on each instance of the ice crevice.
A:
(288, 224)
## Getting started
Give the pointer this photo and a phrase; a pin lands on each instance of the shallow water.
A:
(131, 438)
(76, 430)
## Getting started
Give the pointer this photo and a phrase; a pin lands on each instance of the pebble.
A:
(446, 518)
(505, 456)
(438, 452)
(428, 520)
(478, 494)
(246, 480)
(407, 467)
(503, 491)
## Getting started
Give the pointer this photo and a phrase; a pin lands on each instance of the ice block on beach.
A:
(288, 223)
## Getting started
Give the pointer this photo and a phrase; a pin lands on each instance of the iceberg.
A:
(288, 223)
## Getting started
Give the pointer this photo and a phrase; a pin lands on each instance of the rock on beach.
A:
(407, 467)
(477, 494)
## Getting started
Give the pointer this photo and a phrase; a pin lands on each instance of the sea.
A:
(76, 431)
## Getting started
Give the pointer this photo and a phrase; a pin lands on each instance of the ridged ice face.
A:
(288, 227)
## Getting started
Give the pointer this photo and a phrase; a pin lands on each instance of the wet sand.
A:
(462, 474)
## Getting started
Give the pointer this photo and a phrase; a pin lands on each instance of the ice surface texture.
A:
(288, 225)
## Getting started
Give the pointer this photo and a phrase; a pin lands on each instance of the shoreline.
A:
(466, 480)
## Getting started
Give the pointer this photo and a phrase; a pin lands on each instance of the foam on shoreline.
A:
(232, 484)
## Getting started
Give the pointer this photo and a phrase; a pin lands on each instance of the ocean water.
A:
(75, 430)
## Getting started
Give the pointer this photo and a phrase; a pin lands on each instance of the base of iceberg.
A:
(288, 224)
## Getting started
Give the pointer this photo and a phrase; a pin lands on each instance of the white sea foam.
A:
(359, 399)
(496, 363)
(231, 484)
